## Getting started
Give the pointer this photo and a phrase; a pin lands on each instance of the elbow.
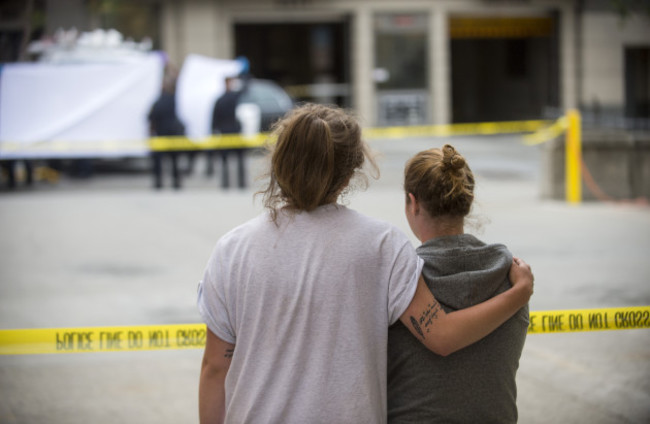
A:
(444, 344)
(443, 350)
(446, 352)
(211, 371)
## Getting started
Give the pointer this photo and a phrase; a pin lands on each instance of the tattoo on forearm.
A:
(415, 324)
(229, 353)
(426, 319)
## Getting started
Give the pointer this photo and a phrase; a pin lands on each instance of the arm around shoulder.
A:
(445, 333)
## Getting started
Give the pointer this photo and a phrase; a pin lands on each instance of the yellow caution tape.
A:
(547, 133)
(192, 336)
(484, 128)
(589, 320)
(102, 339)
(161, 144)
(215, 142)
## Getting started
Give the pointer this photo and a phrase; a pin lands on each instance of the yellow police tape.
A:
(162, 144)
(625, 318)
(547, 133)
(538, 128)
(102, 339)
(192, 336)
(483, 128)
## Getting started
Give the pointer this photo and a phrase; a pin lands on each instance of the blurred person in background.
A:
(477, 383)
(163, 121)
(298, 301)
(225, 122)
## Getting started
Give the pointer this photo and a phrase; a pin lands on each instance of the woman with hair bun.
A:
(298, 301)
(477, 383)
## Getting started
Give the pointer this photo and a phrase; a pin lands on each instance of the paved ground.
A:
(112, 251)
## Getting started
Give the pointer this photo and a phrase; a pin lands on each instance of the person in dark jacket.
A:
(224, 121)
(163, 121)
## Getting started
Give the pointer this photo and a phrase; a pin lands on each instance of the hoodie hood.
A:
(462, 271)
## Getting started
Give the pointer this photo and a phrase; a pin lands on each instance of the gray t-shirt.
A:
(476, 384)
(308, 304)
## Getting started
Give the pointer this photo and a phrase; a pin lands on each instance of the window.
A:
(401, 50)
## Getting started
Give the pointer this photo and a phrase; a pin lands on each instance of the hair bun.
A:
(451, 159)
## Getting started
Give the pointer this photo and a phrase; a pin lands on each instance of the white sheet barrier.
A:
(73, 110)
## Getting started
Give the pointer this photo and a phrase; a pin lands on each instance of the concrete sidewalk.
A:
(112, 251)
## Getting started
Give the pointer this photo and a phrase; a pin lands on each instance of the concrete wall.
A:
(604, 38)
(618, 163)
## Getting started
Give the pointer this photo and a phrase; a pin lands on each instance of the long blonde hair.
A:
(441, 181)
(318, 150)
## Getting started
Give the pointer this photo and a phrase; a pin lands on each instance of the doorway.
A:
(637, 85)
(310, 61)
(503, 69)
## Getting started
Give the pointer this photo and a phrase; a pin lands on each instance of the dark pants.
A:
(225, 170)
(157, 158)
(241, 169)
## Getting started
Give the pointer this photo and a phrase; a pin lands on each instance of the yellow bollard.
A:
(573, 181)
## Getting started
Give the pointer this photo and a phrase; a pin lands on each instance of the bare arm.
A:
(445, 333)
(212, 394)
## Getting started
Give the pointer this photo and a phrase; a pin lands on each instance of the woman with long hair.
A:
(298, 300)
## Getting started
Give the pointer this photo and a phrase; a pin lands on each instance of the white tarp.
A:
(69, 109)
(200, 83)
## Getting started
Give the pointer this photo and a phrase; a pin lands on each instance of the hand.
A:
(522, 278)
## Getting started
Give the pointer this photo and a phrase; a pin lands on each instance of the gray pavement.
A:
(112, 251)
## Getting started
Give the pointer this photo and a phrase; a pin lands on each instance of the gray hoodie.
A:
(477, 383)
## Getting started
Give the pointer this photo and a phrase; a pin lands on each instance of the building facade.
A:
(395, 63)
(428, 61)
(412, 62)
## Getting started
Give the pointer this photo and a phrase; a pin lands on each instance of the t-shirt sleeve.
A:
(406, 270)
(212, 302)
